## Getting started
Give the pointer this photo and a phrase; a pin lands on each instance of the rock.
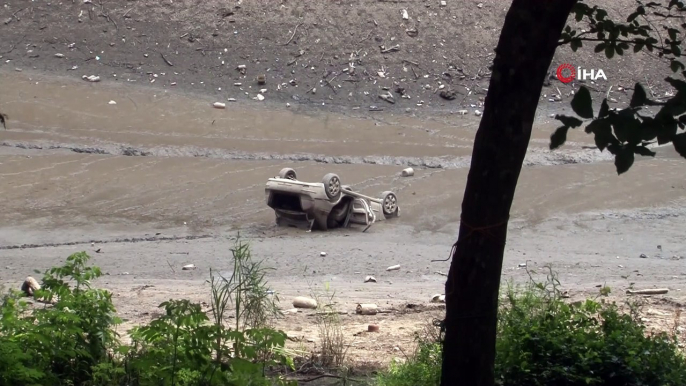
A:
(91, 78)
(366, 309)
(388, 97)
(480, 5)
(522, 265)
(58, 55)
(477, 113)
(231, 99)
(111, 103)
(405, 15)
(438, 298)
(393, 267)
(370, 279)
(448, 94)
(373, 328)
(462, 112)
(304, 302)
(219, 105)
(260, 97)
(322, 254)
(261, 79)
(30, 286)
(189, 267)
(643, 256)
(409, 172)
(443, 3)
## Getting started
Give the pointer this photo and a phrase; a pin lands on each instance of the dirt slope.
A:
(319, 53)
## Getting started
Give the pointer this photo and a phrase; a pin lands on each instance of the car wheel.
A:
(332, 186)
(287, 173)
(390, 203)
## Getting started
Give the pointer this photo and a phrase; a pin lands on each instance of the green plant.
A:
(333, 344)
(543, 340)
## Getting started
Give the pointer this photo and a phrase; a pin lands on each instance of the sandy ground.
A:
(161, 180)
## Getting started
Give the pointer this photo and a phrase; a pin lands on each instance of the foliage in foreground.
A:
(543, 340)
(72, 340)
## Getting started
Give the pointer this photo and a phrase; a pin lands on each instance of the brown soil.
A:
(161, 179)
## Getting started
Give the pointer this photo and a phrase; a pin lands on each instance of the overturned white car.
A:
(327, 204)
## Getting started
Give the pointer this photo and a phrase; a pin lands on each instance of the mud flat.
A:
(161, 179)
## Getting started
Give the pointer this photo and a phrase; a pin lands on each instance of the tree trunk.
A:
(527, 44)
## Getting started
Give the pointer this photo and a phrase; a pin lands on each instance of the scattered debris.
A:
(394, 48)
(521, 265)
(242, 68)
(655, 291)
(30, 286)
(261, 79)
(409, 172)
(373, 328)
(405, 14)
(477, 113)
(388, 97)
(443, 3)
(643, 256)
(91, 78)
(219, 105)
(370, 279)
(166, 60)
(412, 32)
(366, 309)
(322, 254)
(462, 112)
(441, 273)
(231, 99)
(438, 298)
(112, 103)
(393, 267)
(58, 55)
(260, 97)
(189, 267)
(304, 302)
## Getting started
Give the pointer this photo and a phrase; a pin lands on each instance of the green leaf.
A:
(572, 122)
(623, 160)
(559, 137)
(604, 109)
(679, 142)
(644, 151)
(610, 51)
(640, 97)
(575, 44)
(582, 103)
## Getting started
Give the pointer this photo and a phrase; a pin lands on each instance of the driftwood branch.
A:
(292, 36)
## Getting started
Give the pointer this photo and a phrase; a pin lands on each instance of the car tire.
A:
(332, 186)
(389, 203)
(288, 173)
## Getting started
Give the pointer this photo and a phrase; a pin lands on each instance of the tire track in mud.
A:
(535, 156)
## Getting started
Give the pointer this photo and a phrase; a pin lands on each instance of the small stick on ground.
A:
(292, 36)
(329, 84)
(107, 16)
(415, 73)
(411, 62)
(367, 38)
(166, 60)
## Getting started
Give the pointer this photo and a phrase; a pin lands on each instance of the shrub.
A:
(71, 341)
(543, 340)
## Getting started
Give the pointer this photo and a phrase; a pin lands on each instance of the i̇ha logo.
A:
(567, 73)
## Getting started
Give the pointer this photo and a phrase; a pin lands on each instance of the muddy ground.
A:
(159, 179)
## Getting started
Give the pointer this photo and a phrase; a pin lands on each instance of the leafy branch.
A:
(627, 132)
